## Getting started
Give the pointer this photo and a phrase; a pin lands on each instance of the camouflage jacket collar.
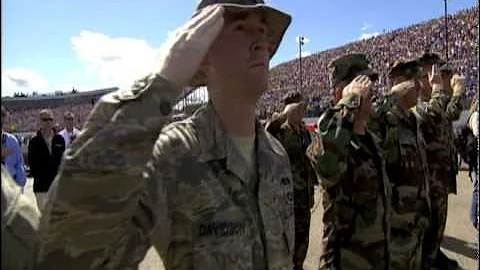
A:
(403, 116)
(215, 144)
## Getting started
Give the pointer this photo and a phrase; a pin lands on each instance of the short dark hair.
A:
(292, 97)
(68, 115)
(446, 69)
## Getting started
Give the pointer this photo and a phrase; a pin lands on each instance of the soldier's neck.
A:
(404, 108)
(237, 117)
(402, 104)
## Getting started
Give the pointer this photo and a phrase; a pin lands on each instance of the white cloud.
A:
(304, 54)
(305, 39)
(366, 26)
(368, 35)
(113, 61)
(22, 80)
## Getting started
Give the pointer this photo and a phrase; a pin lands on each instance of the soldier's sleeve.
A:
(20, 218)
(378, 124)
(328, 150)
(454, 108)
(98, 215)
(311, 171)
(379, 110)
(274, 124)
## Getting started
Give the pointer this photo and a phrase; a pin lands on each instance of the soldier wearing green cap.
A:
(355, 189)
(403, 148)
(289, 129)
(454, 107)
(425, 62)
(213, 191)
(403, 70)
(345, 68)
(438, 108)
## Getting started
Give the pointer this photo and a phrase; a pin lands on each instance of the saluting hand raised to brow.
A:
(293, 108)
(361, 85)
(434, 76)
(182, 54)
(457, 81)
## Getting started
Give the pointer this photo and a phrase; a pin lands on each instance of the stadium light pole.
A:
(446, 31)
(300, 44)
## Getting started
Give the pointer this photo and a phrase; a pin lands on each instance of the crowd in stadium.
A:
(400, 43)
(382, 49)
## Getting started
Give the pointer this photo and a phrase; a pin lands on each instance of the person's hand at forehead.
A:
(294, 108)
(182, 53)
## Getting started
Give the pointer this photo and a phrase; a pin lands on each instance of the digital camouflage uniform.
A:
(195, 201)
(20, 218)
(435, 117)
(295, 143)
(356, 194)
(404, 150)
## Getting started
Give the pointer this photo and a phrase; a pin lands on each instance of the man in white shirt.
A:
(70, 132)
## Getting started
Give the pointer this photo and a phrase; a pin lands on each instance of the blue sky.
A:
(59, 44)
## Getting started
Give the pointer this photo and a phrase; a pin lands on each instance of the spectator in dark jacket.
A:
(45, 152)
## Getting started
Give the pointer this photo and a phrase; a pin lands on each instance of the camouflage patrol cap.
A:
(276, 21)
(430, 58)
(446, 69)
(408, 68)
(348, 66)
(292, 97)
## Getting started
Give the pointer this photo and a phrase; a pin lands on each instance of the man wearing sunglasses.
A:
(45, 152)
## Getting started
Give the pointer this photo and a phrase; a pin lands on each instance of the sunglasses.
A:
(46, 119)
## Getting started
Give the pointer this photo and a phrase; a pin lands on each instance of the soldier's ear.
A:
(205, 65)
(338, 91)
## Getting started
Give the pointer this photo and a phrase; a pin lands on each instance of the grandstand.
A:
(382, 51)
(54, 100)
(25, 109)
